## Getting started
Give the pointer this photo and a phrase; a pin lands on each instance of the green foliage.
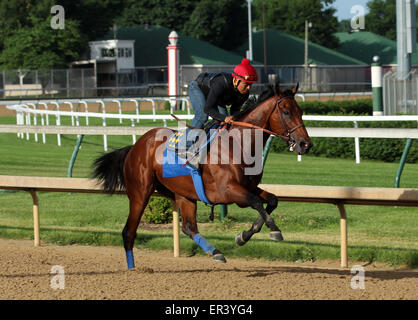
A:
(381, 18)
(388, 150)
(218, 22)
(159, 210)
(29, 41)
(19, 13)
(289, 16)
(171, 14)
(41, 47)
(353, 107)
(95, 17)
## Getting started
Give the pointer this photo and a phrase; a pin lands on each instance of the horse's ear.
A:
(277, 88)
(295, 89)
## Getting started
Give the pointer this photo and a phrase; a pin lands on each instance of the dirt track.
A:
(100, 273)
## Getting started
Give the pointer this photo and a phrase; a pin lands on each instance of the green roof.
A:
(285, 49)
(151, 44)
(365, 45)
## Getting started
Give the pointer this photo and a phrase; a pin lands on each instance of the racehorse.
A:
(138, 170)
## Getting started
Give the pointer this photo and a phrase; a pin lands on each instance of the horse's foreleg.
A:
(256, 202)
(189, 227)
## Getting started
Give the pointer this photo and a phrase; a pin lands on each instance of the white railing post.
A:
(136, 108)
(35, 119)
(72, 110)
(43, 121)
(133, 136)
(20, 120)
(119, 108)
(357, 144)
(104, 123)
(58, 122)
(87, 111)
(153, 107)
(28, 122)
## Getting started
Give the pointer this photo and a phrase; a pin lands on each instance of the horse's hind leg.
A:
(137, 203)
(189, 226)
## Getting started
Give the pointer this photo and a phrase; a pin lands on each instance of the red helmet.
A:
(245, 71)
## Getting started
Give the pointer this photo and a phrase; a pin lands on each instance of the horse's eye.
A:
(286, 112)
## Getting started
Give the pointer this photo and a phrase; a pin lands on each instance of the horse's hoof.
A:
(219, 257)
(238, 239)
(276, 236)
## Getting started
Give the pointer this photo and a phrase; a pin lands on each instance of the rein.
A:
(286, 137)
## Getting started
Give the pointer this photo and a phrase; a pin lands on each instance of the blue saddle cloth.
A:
(173, 165)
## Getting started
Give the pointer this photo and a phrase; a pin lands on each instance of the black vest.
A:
(206, 79)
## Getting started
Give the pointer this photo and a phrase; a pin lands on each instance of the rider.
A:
(210, 93)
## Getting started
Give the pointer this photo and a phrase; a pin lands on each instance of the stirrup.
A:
(192, 159)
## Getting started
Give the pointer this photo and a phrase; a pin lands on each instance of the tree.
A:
(289, 16)
(172, 14)
(344, 25)
(28, 41)
(381, 18)
(41, 47)
(222, 23)
(18, 13)
(95, 17)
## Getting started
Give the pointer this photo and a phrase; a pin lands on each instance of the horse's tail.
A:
(109, 169)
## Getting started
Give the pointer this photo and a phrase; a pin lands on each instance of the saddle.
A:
(189, 145)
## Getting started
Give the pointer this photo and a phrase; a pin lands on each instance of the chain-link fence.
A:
(311, 79)
(152, 81)
(53, 83)
(400, 95)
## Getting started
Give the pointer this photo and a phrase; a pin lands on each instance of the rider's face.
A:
(243, 87)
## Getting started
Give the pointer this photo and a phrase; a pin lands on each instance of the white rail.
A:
(23, 111)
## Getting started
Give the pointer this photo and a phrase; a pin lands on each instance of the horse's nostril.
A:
(305, 145)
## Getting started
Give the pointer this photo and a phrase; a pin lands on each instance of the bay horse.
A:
(138, 170)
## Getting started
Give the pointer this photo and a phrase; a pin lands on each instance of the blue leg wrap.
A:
(204, 244)
(130, 259)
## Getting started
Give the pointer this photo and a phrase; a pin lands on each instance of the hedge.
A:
(354, 107)
(388, 150)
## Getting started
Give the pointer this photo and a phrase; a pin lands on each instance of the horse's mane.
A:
(253, 102)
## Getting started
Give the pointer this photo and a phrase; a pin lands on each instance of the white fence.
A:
(27, 114)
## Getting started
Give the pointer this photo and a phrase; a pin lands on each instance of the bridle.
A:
(288, 138)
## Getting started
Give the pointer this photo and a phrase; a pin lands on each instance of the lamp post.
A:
(250, 36)
(307, 26)
(264, 44)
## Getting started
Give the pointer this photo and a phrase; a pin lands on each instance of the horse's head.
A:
(286, 120)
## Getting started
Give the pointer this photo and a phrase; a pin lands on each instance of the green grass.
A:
(311, 231)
